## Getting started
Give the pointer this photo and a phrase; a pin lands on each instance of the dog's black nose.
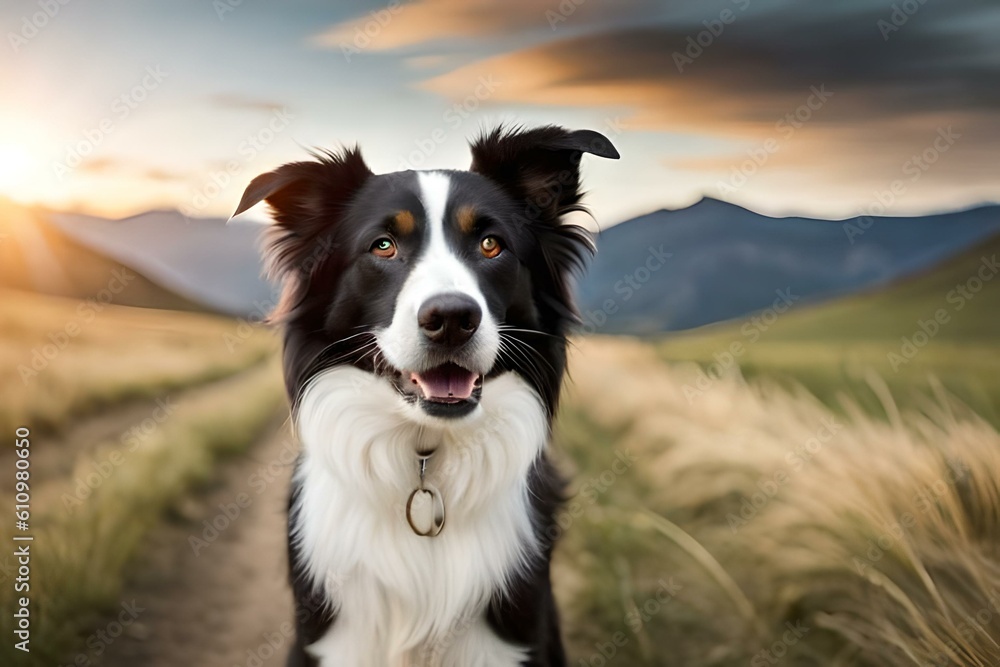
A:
(449, 319)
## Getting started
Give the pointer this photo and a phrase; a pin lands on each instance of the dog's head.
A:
(437, 280)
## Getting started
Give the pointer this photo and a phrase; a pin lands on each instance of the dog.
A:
(424, 318)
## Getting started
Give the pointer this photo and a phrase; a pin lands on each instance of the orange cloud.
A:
(423, 22)
(552, 75)
(401, 25)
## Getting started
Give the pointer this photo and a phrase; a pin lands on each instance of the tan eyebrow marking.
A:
(404, 222)
(466, 216)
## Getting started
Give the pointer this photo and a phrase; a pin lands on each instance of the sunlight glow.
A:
(17, 167)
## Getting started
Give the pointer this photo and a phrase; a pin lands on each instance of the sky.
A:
(829, 109)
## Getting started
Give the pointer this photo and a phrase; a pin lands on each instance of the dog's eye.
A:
(490, 247)
(384, 247)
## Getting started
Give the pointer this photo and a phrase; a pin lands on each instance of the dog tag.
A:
(425, 511)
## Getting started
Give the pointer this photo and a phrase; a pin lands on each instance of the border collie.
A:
(425, 316)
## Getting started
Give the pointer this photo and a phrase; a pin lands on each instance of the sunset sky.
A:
(818, 108)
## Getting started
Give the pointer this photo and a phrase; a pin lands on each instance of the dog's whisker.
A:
(506, 327)
(569, 342)
(534, 372)
(523, 345)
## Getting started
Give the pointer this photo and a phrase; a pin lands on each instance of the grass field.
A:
(63, 358)
(811, 487)
(757, 526)
(127, 416)
(808, 500)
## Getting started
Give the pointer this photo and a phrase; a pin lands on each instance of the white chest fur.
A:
(402, 599)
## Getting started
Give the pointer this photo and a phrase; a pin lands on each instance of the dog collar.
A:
(425, 507)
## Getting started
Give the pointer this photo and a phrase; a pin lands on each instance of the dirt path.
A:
(217, 596)
(119, 425)
(73, 462)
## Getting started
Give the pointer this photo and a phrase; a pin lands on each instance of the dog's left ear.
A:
(540, 166)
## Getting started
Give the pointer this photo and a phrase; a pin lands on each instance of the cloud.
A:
(119, 166)
(819, 108)
(760, 67)
(242, 102)
(100, 165)
(431, 24)
(156, 174)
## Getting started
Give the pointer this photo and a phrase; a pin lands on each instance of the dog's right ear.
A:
(299, 191)
(307, 200)
(274, 183)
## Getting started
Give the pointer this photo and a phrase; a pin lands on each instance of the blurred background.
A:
(781, 421)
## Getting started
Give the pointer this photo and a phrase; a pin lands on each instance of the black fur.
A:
(326, 213)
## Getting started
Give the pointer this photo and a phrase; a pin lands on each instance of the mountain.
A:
(962, 293)
(204, 260)
(37, 257)
(666, 271)
(725, 262)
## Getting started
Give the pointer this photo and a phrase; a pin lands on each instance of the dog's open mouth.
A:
(445, 390)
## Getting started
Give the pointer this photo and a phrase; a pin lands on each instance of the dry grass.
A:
(759, 510)
(109, 356)
(80, 556)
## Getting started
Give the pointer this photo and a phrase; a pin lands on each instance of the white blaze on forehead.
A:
(438, 270)
(434, 188)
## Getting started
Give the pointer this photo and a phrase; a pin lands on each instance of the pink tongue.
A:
(446, 382)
